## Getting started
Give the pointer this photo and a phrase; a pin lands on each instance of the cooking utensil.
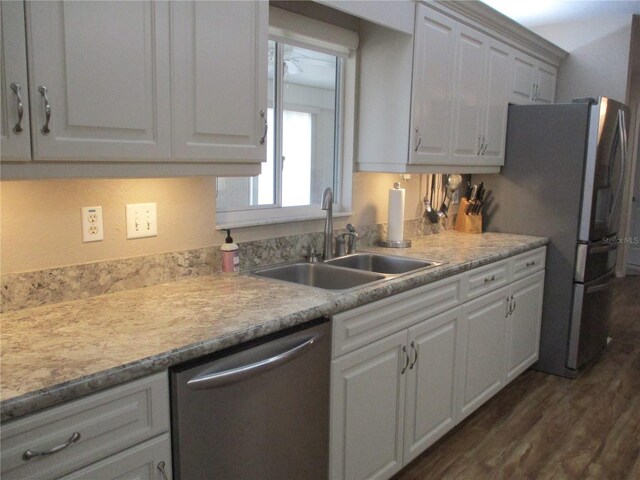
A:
(432, 214)
(453, 183)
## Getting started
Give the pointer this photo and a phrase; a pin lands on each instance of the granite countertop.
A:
(55, 353)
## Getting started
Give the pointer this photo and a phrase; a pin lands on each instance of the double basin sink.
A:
(346, 272)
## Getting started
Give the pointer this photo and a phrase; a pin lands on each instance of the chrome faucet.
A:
(327, 204)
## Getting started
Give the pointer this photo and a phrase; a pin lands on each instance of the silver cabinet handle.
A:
(266, 127)
(29, 454)
(17, 129)
(47, 110)
(479, 145)
(485, 145)
(415, 359)
(161, 468)
(489, 279)
(513, 308)
(285, 352)
(406, 356)
(530, 264)
(415, 149)
(507, 307)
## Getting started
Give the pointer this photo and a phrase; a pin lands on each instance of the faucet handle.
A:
(312, 255)
(353, 236)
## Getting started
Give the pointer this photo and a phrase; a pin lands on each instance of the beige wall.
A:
(40, 219)
(598, 59)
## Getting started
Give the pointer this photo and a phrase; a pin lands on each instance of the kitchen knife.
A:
(479, 201)
(472, 199)
(467, 193)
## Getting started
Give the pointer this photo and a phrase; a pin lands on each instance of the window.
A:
(305, 140)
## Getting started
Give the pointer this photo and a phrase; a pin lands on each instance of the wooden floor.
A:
(546, 427)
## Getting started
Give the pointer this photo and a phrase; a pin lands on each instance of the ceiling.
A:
(531, 13)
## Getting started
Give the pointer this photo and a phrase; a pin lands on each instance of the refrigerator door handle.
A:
(623, 160)
(602, 286)
(605, 248)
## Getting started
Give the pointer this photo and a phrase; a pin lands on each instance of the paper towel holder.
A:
(396, 243)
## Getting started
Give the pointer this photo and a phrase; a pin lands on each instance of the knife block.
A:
(467, 223)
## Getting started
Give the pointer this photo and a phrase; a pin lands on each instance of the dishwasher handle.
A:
(208, 380)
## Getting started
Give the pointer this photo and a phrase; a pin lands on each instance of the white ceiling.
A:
(531, 13)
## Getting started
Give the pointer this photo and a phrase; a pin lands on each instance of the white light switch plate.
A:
(142, 220)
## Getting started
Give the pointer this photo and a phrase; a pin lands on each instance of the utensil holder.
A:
(467, 223)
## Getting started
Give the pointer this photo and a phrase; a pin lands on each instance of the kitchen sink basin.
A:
(387, 264)
(320, 275)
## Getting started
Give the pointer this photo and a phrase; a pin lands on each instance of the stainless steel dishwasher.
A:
(260, 411)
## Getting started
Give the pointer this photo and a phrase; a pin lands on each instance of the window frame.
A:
(343, 145)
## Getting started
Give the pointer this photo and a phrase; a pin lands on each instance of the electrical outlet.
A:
(455, 198)
(142, 220)
(92, 230)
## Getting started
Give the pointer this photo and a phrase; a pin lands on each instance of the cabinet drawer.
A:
(364, 325)
(486, 279)
(528, 263)
(142, 462)
(107, 422)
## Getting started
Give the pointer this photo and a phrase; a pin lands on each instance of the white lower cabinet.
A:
(482, 373)
(393, 398)
(118, 433)
(430, 410)
(523, 324)
(367, 407)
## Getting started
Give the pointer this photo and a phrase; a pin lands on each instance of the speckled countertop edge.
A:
(461, 252)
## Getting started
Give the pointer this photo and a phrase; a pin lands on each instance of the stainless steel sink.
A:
(387, 264)
(320, 275)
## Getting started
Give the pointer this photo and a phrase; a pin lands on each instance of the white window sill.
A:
(254, 222)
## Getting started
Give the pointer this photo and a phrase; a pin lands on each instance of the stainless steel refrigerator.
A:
(563, 179)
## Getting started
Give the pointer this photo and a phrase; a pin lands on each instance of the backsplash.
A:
(43, 287)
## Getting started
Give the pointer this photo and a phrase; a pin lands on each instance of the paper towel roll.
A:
(396, 214)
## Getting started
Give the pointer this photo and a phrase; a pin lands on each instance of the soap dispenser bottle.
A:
(230, 255)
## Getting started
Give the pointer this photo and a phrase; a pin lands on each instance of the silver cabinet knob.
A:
(266, 126)
(29, 454)
(47, 110)
(419, 137)
(17, 128)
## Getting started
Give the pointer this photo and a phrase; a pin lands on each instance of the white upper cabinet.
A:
(133, 89)
(533, 81)
(470, 99)
(14, 86)
(99, 80)
(546, 83)
(498, 77)
(462, 71)
(219, 80)
(434, 55)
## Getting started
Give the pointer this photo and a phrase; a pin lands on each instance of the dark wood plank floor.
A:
(546, 427)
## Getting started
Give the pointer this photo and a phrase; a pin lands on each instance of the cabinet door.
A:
(484, 338)
(105, 66)
(546, 83)
(219, 80)
(367, 410)
(498, 80)
(434, 347)
(14, 88)
(523, 78)
(523, 324)
(145, 461)
(432, 92)
(469, 97)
